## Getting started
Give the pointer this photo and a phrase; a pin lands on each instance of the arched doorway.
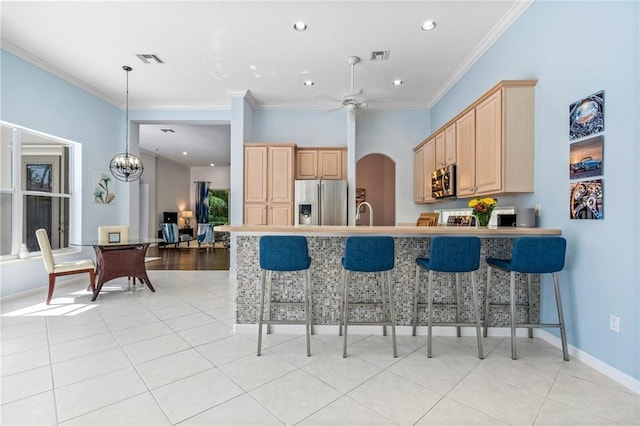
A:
(376, 174)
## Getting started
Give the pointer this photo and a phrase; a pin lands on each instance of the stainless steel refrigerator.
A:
(320, 202)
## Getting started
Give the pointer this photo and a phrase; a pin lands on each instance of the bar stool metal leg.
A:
(384, 303)
(477, 314)
(341, 304)
(458, 302)
(307, 310)
(416, 293)
(260, 318)
(345, 312)
(270, 284)
(563, 334)
(514, 354)
(430, 319)
(392, 312)
(487, 312)
(530, 301)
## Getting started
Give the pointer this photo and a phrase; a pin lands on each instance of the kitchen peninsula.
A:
(326, 248)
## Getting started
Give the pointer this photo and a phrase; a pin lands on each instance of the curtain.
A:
(202, 202)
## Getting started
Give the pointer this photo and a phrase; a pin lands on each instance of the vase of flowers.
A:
(482, 209)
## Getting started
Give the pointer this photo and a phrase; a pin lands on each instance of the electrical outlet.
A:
(614, 323)
(538, 210)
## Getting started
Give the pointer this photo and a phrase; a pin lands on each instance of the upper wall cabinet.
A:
(445, 147)
(321, 163)
(494, 142)
(424, 162)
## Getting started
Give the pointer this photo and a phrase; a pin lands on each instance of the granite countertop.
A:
(390, 230)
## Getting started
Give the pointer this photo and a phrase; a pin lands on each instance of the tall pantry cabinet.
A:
(268, 184)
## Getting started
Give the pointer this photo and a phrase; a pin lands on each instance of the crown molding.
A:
(69, 78)
(494, 35)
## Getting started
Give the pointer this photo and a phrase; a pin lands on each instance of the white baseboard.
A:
(600, 366)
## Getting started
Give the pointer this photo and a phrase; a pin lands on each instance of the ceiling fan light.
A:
(428, 25)
(300, 26)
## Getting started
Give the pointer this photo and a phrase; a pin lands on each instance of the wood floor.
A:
(188, 259)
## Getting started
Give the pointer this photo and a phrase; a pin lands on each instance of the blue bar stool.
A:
(531, 255)
(449, 254)
(369, 254)
(284, 254)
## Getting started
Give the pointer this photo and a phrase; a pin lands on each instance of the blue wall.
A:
(575, 49)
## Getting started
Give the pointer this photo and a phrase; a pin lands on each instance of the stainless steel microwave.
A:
(443, 182)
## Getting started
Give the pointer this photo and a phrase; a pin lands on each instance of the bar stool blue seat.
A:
(531, 255)
(449, 254)
(369, 254)
(284, 254)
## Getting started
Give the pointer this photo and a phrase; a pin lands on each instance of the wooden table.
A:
(120, 259)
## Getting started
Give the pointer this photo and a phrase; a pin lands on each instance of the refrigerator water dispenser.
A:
(304, 214)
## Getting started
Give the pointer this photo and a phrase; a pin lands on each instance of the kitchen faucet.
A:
(370, 212)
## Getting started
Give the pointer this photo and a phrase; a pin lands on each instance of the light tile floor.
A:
(171, 357)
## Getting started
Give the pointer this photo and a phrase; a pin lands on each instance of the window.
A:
(35, 187)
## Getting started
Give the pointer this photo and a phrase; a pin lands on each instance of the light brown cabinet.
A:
(446, 146)
(466, 155)
(268, 184)
(424, 161)
(494, 142)
(320, 163)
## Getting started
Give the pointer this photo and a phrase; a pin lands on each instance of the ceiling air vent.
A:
(149, 58)
(379, 55)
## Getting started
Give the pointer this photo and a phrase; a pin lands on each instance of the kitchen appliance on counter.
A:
(506, 219)
(526, 218)
(443, 182)
(320, 202)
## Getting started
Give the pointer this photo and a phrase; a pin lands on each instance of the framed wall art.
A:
(586, 116)
(103, 188)
(587, 199)
(586, 158)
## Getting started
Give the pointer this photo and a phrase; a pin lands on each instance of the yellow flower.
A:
(473, 203)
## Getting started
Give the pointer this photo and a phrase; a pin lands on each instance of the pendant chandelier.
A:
(126, 167)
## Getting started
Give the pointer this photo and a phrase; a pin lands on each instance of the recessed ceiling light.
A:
(212, 164)
(398, 82)
(300, 26)
(184, 152)
(428, 25)
(308, 83)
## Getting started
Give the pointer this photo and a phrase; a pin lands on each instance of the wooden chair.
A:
(65, 268)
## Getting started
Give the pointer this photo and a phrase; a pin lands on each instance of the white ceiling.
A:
(213, 50)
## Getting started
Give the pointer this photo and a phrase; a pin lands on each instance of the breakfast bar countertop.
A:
(490, 232)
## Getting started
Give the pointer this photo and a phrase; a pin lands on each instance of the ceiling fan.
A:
(351, 100)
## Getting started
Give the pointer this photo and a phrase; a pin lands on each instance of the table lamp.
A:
(187, 215)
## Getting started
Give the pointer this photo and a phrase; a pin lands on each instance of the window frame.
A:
(72, 192)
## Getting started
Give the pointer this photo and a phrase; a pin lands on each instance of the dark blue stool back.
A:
(368, 254)
(538, 255)
(284, 253)
(454, 254)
